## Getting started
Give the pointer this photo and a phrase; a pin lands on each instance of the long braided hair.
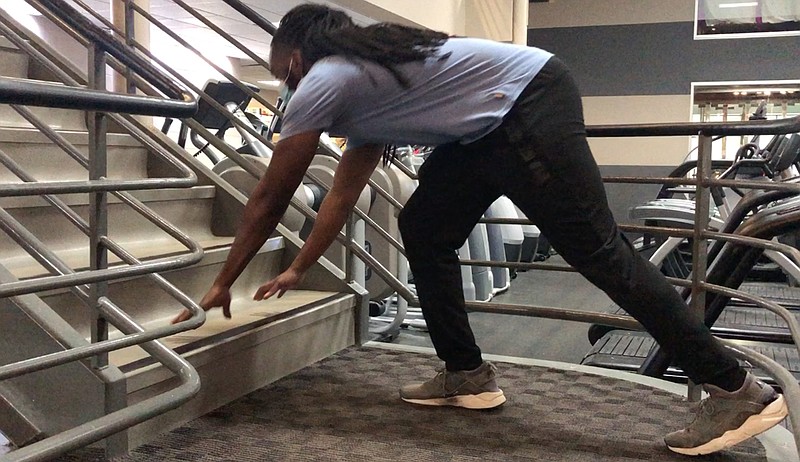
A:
(319, 31)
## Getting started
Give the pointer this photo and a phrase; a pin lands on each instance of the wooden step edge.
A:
(251, 324)
(215, 252)
(243, 363)
(144, 195)
(30, 135)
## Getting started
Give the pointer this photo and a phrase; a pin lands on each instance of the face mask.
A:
(285, 94)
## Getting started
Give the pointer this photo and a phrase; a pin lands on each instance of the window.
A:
(739, 101)
(746, 18)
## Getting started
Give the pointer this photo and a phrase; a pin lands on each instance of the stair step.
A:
(247, 314)
(13, 62)
(187, 209)
(231, 366)
(58, 119)
(263, 342)
(158, 307)
(45, 161)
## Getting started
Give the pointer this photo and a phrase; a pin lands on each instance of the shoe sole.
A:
(486, 400)
(772, 415)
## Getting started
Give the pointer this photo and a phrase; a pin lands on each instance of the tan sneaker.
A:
(476, 389)
(728, 418)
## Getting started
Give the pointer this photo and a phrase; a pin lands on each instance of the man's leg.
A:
(554, 180)
(435, 222)
(558, 185)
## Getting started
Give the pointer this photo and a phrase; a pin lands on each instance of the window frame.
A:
(738, 35)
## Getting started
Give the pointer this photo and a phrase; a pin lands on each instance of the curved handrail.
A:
(119, 420)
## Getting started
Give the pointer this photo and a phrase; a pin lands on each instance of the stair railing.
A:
(96, 100)
(219, 144)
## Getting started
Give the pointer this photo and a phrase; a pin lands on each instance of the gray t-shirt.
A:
(460, 95)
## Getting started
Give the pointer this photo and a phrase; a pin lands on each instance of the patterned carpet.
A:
(346, 408)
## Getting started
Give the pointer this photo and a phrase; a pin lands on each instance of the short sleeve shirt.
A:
(458, 95)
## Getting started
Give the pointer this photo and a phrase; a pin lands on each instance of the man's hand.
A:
(289, 279)
(216, 296)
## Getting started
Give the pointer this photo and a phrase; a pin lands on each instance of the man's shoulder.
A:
(338, 67)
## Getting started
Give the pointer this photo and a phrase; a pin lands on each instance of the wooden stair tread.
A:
(25, 267)
(244, 312)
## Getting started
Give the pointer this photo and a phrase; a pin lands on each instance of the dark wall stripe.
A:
(663, 59)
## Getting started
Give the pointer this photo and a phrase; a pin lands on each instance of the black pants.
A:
(540, 159)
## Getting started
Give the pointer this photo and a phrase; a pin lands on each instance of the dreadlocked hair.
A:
(319, 31)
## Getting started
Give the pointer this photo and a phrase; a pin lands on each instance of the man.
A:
(506, 120)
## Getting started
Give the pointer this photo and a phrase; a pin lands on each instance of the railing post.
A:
(130, 39)
(355, 270)
(349, 257)
(97, 125)
(702, 218)
(98, 201)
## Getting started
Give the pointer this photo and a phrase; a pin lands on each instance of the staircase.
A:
(263, 342)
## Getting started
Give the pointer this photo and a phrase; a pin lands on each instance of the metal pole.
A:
(98, 201)
(702, 198)
(130, 39)
(702, 210)
(349, 266)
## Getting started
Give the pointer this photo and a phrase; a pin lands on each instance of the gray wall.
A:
(636, 68)
(663, 58)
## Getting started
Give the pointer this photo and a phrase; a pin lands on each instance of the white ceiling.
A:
(212, 45)
(209, 43)
(182, 22)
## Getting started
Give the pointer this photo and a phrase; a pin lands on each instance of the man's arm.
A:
(264, 209)
(352, 174)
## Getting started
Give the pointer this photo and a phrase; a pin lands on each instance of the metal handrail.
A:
(751, 127)
(53, 282)
(117, 421)
(251, 14)
(50, 95)
(32, 46)
(44, 94)
(29, 93)
(54, 264)
(114, 47)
